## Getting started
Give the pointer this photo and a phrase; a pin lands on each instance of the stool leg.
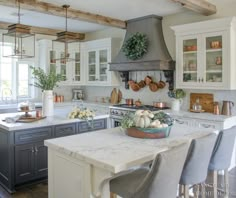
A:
(181, 190)
(196, 190)
(203, 190)
(215, 174)
(226, 181)
(186, 191)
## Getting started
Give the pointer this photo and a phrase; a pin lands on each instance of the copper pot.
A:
(129, 101)
(160, 104)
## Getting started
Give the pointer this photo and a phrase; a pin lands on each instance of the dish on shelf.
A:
(190, 48)
(197, 111)
(215, 45)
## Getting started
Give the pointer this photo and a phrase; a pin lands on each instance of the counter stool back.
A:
(161, 180)
(196, 165)
(221, 157)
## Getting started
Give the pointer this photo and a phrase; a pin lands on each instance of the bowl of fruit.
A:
(145, 124)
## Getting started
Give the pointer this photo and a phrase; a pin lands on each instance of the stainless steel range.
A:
(118, 111)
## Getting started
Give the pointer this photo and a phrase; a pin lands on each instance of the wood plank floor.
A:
(41, 190)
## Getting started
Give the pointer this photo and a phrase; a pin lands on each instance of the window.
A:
(15, 78)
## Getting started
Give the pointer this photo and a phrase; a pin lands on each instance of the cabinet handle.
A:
(179, 122)
(32, 149)
(202, 79)
(199, 80)
(36, 150)
(206, 125)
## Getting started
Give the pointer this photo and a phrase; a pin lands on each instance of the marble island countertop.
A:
(112, 149)
(60, 117)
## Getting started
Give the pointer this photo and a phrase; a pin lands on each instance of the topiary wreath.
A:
(135, 46)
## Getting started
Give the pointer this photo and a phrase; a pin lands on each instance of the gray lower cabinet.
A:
(23, 156)
(92, 126)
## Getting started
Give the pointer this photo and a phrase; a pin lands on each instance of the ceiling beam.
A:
(40, 30)
(200, 6)
(52, 9)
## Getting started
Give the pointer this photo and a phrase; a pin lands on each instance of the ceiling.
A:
(122, 9)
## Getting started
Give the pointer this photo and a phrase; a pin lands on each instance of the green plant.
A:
(45, 81)
(177, 93)
(135, 46)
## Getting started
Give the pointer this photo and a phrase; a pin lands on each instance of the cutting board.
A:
(114, 96)
(206, 100)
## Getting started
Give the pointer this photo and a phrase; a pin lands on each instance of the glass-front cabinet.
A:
(201, 60)
(205, 54)
(70, 70)
(97, 56)
(98, 65)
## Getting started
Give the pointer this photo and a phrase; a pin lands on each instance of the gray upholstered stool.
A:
(196, 165)
(160, 181)
(221, 157)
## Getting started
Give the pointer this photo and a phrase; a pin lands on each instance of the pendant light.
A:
(18, 42)
(64, 42)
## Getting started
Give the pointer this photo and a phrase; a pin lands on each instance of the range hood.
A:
(157, 56)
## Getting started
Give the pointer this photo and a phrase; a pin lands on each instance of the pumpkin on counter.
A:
(143, 118)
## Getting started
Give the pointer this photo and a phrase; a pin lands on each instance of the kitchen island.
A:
(79, 164)
(23, 155)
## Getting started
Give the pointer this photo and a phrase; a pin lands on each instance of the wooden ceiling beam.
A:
(52, 9)
(200, 6)
(40, 30)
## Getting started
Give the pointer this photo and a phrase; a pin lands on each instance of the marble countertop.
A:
(112, 149)
(60, 117)
(203, 116)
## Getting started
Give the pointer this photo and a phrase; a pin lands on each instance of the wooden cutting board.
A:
(114, 96)
(206, 100)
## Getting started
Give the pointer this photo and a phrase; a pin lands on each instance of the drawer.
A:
(209, 125)
(32, 135)
(183, 121)
(97, 124)
(64, 130)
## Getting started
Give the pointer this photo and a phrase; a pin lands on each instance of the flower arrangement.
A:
(83, 114)
(177, 93)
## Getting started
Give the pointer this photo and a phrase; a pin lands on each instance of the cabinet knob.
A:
(202, 79)
(199, 80)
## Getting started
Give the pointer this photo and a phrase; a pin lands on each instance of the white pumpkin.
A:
(155, 123)
(142, 121)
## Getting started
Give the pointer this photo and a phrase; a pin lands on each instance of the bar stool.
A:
(160, 181)
(196, 165)
(221, 157)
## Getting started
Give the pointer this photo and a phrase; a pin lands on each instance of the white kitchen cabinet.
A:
(205, 54)
(72, 70)
(97, 55)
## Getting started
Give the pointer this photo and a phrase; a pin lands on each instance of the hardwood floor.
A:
(41, 190)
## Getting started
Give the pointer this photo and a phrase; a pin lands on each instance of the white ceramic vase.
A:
(176, 104)
(47, 99)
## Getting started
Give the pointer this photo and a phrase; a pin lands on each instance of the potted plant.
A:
(177, 95)
(46, 82)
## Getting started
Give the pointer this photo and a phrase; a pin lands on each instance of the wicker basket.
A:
(149, 133)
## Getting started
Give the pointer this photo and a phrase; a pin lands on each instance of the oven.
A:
(115, 122)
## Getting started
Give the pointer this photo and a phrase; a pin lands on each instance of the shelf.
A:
(214, 50)
(214, 71)
(190, 52)
(189, 72)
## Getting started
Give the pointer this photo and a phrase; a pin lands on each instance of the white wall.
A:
(145, 94)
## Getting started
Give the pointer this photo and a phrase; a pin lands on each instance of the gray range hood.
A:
(157, 56)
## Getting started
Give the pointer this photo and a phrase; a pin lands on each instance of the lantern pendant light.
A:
(18, 42)
(64, 42)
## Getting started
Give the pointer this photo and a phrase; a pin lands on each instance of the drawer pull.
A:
(207, 125)
(179, 121)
